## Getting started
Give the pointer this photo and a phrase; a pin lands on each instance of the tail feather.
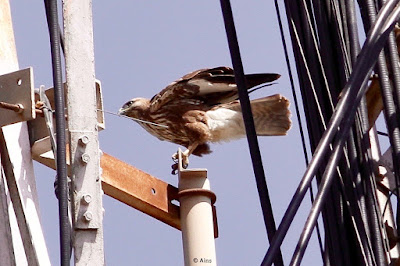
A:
(271, 115)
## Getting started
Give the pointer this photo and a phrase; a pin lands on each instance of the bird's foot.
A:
(174, 168)
(185, 161)
(185, 158)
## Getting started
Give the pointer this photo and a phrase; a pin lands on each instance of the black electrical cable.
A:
(356, 207)
(249, 124)
(300, 27)
(65, 230)
(321, 196)
(46, 5)
(375, 223)
(343, 115)
(334, 49)
(368, 14)
(391, 116)
(297, 109)
(297, 28)
(310, 106)
(383, 134)
(331, 46)
(354, 44)
(363, 125)
(393, 60)
(395, 70)
(319, 201)
(315, 50)
(393, 129)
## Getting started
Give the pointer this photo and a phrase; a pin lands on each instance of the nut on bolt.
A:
(88, 216)
(85, 158)
(84, 140)
(87, 198)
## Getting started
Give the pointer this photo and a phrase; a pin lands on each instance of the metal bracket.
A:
(39, 134)
(17, 94)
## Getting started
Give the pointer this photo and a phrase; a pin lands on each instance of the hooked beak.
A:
(121, 111)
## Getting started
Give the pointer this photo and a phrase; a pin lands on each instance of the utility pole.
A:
(87, 211)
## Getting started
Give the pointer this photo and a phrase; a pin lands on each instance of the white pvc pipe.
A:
(197, 218)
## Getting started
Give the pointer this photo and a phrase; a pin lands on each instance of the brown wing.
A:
(208, 86)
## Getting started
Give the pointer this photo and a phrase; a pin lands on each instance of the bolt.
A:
(18, 108)
(84, 140)
(87, 198)
(85, 158)
(21, 108)
(88, 216)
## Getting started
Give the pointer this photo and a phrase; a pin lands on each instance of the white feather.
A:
(225, 124)
(209, 87)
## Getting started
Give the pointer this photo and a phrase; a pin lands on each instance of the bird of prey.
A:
(203, 107)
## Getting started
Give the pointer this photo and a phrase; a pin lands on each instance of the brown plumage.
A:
(202, 107)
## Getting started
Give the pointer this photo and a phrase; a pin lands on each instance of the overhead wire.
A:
(134, 119)
(393, 62)
(390, 113)
(362, 151)
(341, 33)
(297, 110)
(249, 126)
(342, 117)
(304, 64)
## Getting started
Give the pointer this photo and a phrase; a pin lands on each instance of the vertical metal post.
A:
(7, 56)
(87, 212)
(196, 201)
(6, 249)
(20, 168)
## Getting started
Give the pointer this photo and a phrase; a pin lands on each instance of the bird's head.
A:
(136, 107)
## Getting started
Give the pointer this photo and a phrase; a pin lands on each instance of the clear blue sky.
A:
(140, 47)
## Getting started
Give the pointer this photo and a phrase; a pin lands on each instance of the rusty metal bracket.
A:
(140, 190)
(16, 97)
(137, 189)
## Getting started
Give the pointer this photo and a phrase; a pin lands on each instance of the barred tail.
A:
(271, 115)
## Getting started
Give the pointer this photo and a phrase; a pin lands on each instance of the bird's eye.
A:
(127, 104)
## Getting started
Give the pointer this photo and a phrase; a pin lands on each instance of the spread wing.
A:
(207, 86)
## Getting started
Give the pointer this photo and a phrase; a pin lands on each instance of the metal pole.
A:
(87, 210)
(196, 201)
(20, 169)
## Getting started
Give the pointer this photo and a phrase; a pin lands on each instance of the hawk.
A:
(203, 107)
